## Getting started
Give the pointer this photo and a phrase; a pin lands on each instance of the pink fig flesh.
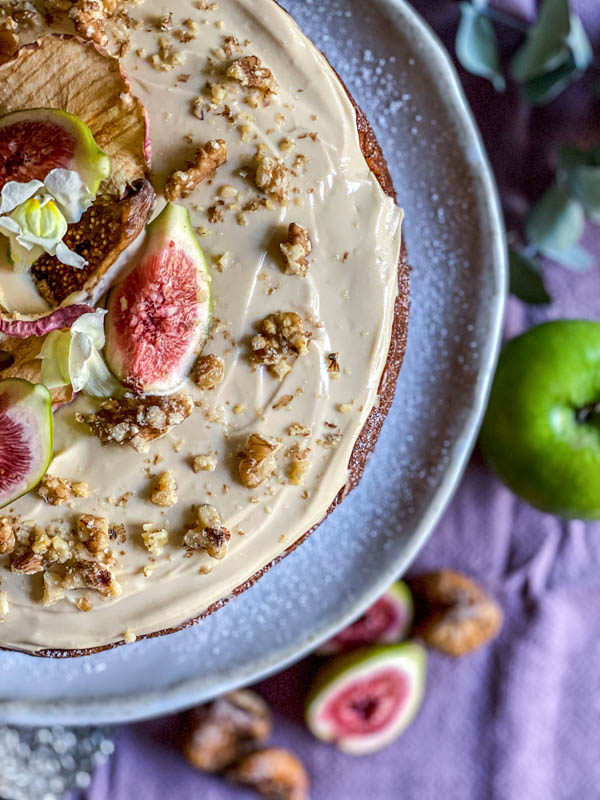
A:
(29, 150)
(62, 317)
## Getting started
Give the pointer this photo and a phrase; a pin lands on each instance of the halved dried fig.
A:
(66, 73)
(105, 230)
(453, 613)
(224, 730)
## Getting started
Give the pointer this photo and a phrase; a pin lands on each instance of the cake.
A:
(220, 133)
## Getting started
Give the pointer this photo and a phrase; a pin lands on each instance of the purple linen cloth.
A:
(521, 718)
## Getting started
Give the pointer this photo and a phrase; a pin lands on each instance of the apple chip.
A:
(64, 72)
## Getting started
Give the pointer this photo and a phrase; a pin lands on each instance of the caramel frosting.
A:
(301, 117)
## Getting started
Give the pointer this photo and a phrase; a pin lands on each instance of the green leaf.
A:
(556, 52)
(581, 170)
(575, 258)
(477, 47)
(526, 281)
(556, 222)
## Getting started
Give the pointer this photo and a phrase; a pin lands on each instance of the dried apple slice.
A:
(66, 73)
(105, 230)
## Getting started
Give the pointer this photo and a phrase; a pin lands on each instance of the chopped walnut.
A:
(137, 420)
(271, 175)
(208, 372)
(251, 73)
(257, 462)
(231, 46)
(53, 589)
(282, 335)
(209, 534)
(7, 537)
(56, 491)
(298, 429)
(29, 563)
(167, 57)
(299, 465)
(4, 605)
(91, 575)
(206, 462)
(165, 491)
(89, 18)
(155, 539)
(206, 161)
(273, 773)
(295, 250)
(94, 533)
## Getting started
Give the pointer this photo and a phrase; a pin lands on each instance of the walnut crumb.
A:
(209, 533)
(7, 537)
(129, 636)
(155, 539)
(56, 491)
(207, 159)
(206, 462)
(283, 401)
(208, 372)
(257, 461)
(83, 604)
(296, 250)
(165, 491)
(298, 429)
(333, 366)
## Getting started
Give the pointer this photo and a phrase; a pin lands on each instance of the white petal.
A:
(70, 192)
(68, 257)
(92, 325)
(14, 193)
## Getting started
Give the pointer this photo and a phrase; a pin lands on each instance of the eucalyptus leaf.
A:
(556, 222)
(556, 52)
(477, 46)
(581, 169)
(526, 281)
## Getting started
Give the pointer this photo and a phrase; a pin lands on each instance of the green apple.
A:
(542, 428)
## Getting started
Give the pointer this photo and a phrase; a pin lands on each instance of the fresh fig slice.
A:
(63, 317)
(387, 621)
(34, 142)
(105, 230)
(364, 700)
(64, 72)
(158, 317)
(25, 437)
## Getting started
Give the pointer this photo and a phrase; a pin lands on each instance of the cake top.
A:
(161, 500)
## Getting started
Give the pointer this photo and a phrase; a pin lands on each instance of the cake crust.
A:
(369, 434)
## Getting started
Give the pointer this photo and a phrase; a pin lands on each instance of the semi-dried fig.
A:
(453, 613)
(219, 733)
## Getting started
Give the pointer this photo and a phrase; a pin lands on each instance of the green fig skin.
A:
(407, 657)
(92, 163)
(36, 403)
(540, 432)
(172, 228)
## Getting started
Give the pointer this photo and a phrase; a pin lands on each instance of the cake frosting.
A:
(346, 301)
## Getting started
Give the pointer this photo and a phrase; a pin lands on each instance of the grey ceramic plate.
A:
(403, 79)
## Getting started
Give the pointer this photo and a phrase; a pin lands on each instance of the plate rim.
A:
(183, 694)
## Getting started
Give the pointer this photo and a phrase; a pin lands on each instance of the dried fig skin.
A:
(453, 613)
(219, 733)
(273, 773)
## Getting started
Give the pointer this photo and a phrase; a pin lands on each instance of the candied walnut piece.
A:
(206, 161)
(29, 563)
(155, 539)
(453, 613)
(296, 249)
(94, 533)
(209, 534)
(165, 491)
(273, 773)
(7, 537)
(252, 73)
(257, 461)
(137, 420)
(217, 734)
(271, 175)
(89, 18)
(54, 491)
(208, 372)
(282, 335)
